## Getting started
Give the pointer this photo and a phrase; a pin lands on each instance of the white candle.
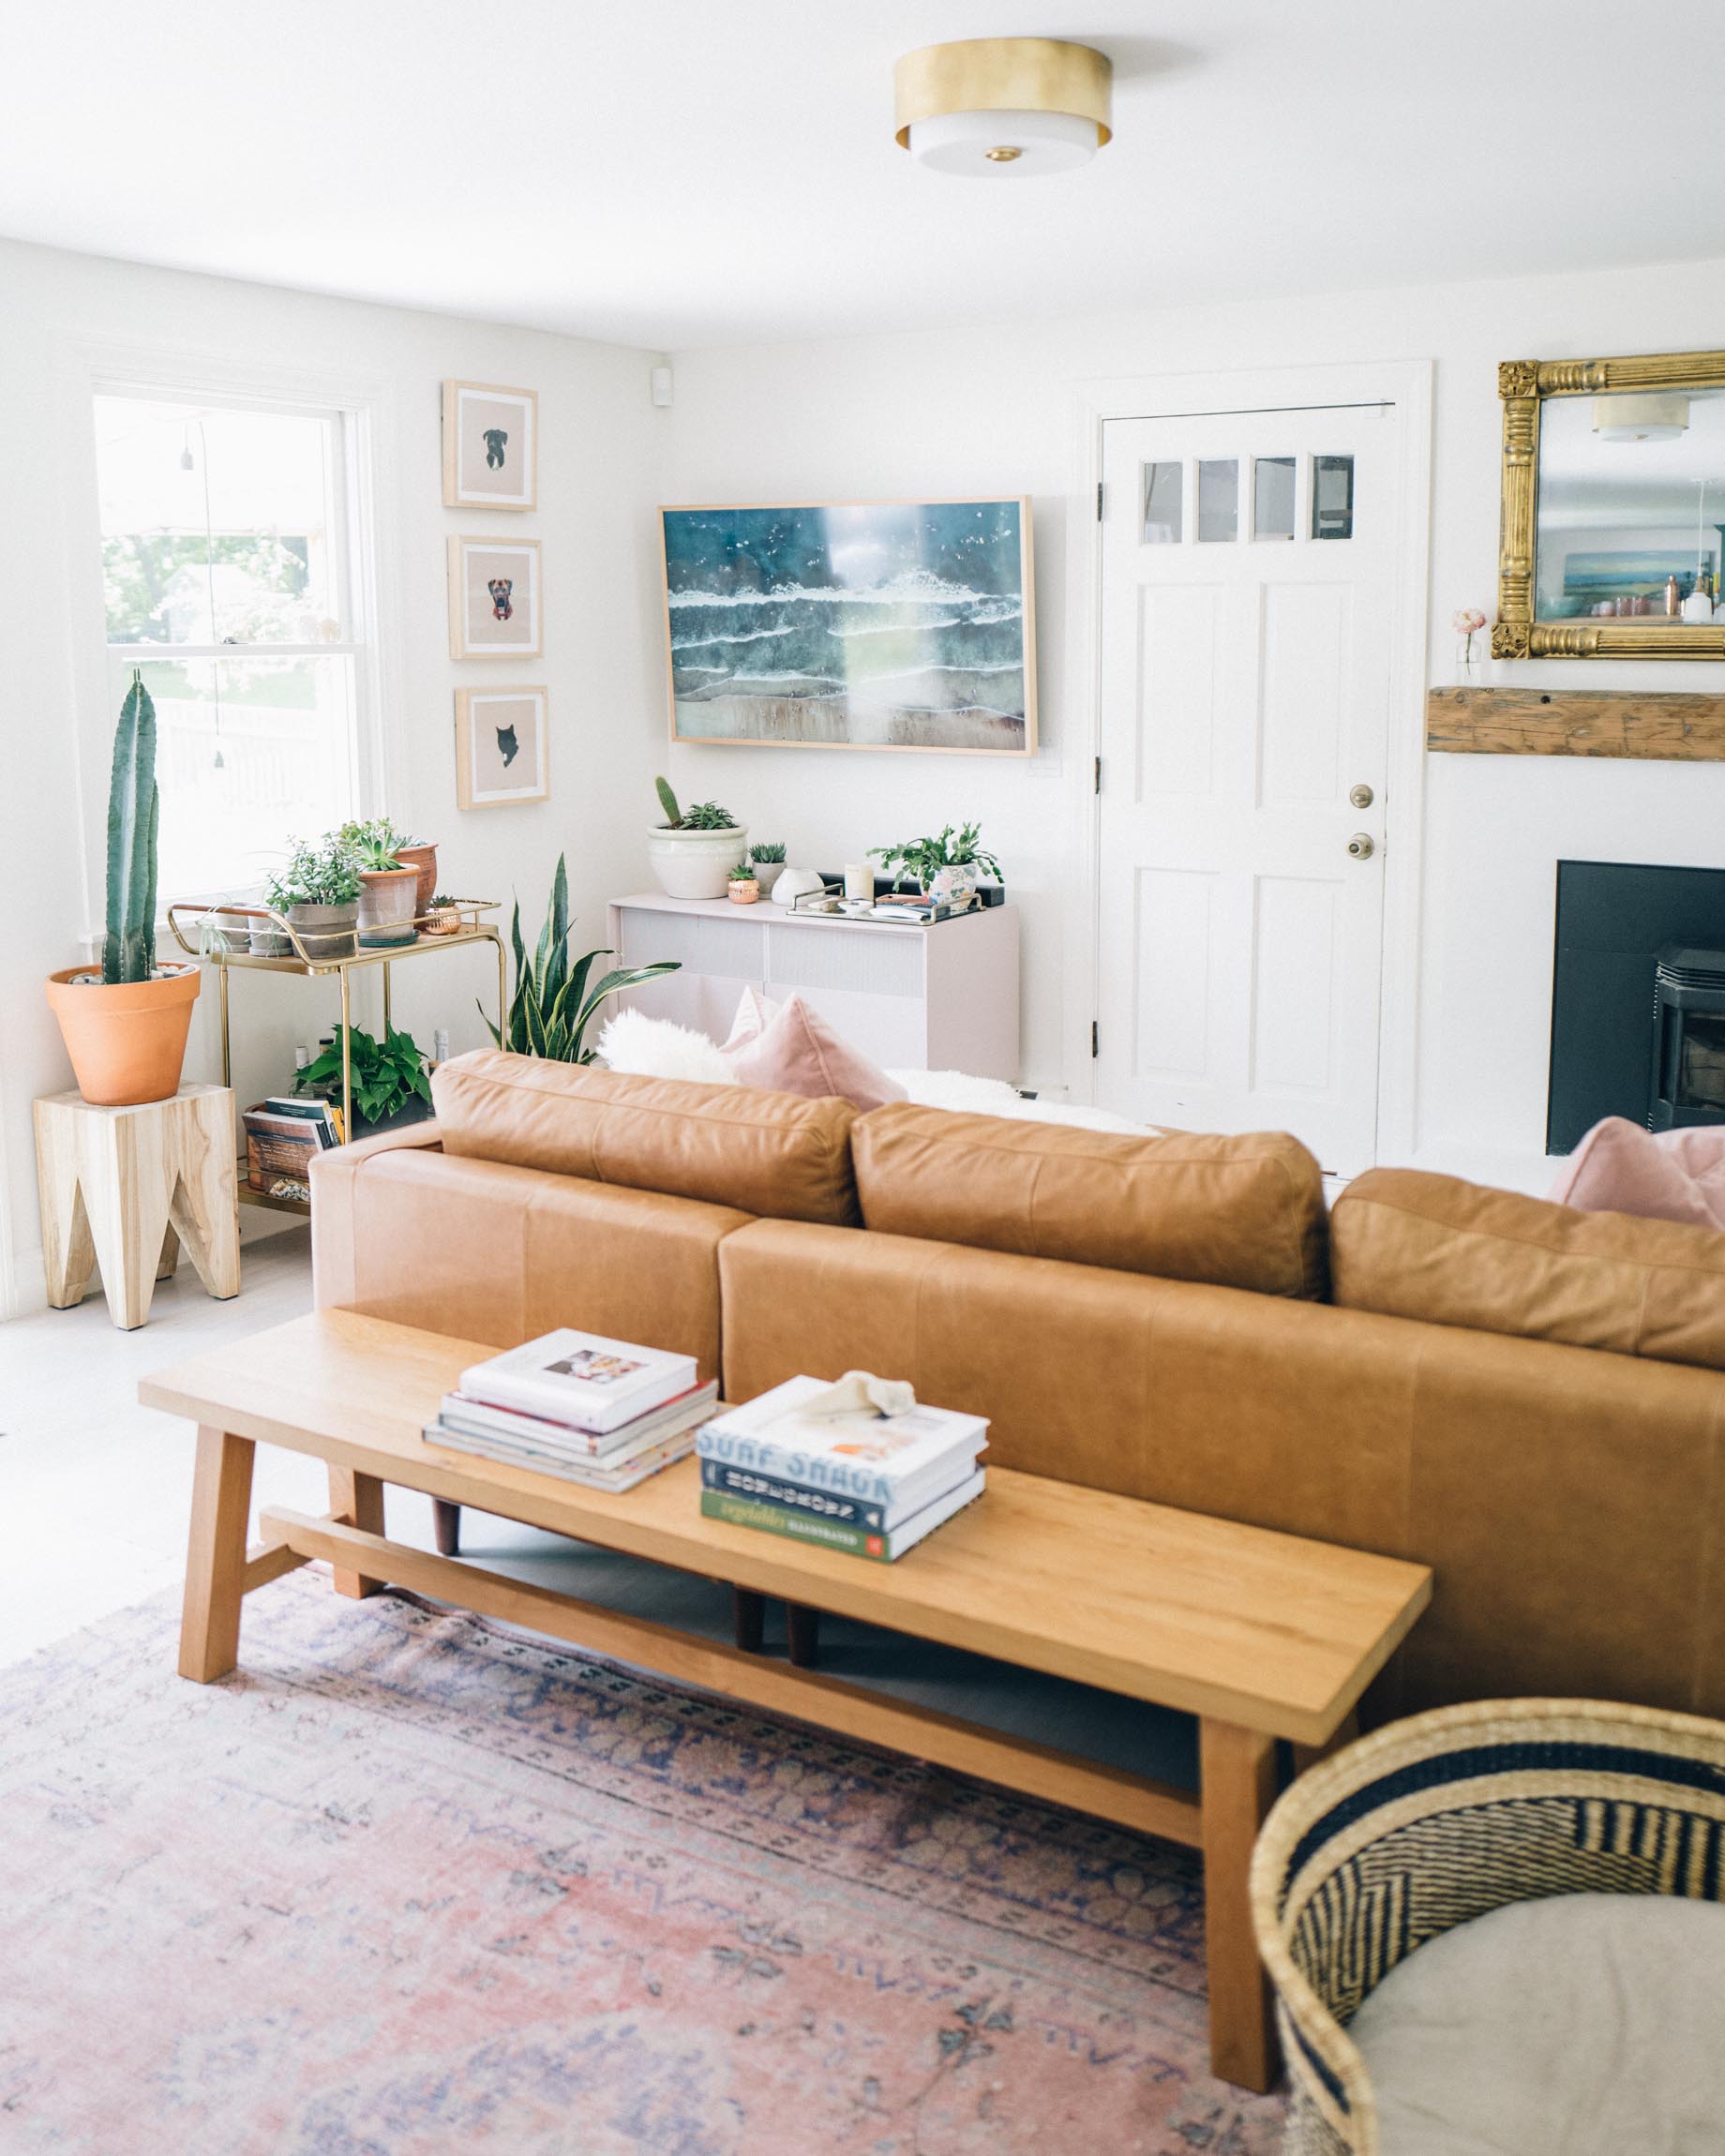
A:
(859, 880)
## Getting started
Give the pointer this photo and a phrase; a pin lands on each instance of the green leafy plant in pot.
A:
(555, 999)
(947, 869)
(317, 894)
(389, 887)
(693, 850)
(124, 1027)
(388, 1081)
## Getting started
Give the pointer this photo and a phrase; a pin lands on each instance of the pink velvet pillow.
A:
(1664, 1176)
(755, 1014)
(796, 1051)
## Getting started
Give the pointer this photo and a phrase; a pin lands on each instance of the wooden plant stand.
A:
(128, 1188)
(1261, 1636)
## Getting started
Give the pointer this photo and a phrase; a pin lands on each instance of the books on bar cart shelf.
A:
(859, 1480)
(572, 1373)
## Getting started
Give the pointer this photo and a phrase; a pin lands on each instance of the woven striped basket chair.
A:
(1438, 1819)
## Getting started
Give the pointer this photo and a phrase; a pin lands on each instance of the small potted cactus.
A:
(742, 887)
(692, 851)
(442, 916)
(767, 859)
(124, 1025)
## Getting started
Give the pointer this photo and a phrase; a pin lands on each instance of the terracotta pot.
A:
(422, 858)
(126, 1039)
(388, 900)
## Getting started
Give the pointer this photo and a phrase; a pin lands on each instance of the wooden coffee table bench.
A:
(1259, 1635)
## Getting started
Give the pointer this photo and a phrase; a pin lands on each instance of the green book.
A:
(833, 1535)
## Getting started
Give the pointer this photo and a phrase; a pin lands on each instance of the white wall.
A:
(600, 440)
(989, 409)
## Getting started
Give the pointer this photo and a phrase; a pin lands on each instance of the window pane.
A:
(1272, 498)
(1163, 497)
(249, 753)
(1332, 497)
(215, 524)
(1219, 498)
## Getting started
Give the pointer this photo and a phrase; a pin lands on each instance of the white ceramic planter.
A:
(694, 863)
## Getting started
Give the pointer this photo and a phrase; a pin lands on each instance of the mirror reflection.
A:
(1632, 507)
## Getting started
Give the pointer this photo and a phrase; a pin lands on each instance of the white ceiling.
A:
(674, 172)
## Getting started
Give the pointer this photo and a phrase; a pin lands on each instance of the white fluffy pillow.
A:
(654, 1048)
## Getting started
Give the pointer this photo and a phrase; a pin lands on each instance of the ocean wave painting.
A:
(884, 625)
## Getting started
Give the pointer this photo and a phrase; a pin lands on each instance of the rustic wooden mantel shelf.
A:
(1658, 725)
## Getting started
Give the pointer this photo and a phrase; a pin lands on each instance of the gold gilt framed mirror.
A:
(1612, 538)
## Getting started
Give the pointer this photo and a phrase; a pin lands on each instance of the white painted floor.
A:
(94, 1490)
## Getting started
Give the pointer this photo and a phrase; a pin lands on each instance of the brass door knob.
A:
(1361, 796)
(1360, 846)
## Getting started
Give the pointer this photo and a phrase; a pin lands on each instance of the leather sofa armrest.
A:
(335, 1179)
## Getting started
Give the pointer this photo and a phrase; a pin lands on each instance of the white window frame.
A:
(361, 412)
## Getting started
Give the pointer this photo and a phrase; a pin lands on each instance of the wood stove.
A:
(1689, 1039)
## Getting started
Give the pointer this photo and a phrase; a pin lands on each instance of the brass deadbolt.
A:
(1361, 796)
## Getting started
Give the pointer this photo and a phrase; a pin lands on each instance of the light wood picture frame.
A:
(494, 598)
(903, 625)
(503, 748)
(490, 446)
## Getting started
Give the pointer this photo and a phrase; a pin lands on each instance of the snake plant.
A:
(128, 947)
(552, 1004)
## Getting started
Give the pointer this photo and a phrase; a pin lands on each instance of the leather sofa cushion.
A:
(1455, 1254)
(772, 1154)
(1240, 1212)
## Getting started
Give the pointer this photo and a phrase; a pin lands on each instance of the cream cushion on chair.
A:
(1581, 2024)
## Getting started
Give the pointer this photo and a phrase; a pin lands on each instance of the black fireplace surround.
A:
(1638, 1000)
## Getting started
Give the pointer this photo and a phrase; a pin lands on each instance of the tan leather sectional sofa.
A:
(1529, 1400)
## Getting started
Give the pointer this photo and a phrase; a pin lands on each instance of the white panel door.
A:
(1249, 573)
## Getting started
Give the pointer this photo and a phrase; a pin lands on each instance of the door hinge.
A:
(1095, 1040)
(1097, 786)
(1099, 501)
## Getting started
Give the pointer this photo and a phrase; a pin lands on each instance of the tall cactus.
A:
(128, 948)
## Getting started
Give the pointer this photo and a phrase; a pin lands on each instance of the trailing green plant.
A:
(704, 815)
(324, 872)
(553, 1003)
(128, 947)
(768, 850)
(922, 857)
(386, 1074)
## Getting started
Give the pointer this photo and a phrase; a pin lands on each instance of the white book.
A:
(661, 1452)
(681, 1413)
(886, 1459)
(656, 1429)
(584, 1380)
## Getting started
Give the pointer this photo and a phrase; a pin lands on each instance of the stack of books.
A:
(869, 1484)
(599, 1412)
(282, 1135)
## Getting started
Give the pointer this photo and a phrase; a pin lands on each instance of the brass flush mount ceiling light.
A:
(1003, 106)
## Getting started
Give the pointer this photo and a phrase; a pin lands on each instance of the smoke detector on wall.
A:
(1004, 108)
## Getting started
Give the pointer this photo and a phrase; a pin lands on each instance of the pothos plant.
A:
(553, 1002)
(388, 1075)
(922, 857)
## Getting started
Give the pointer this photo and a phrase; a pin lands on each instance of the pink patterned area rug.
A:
(410, 1884)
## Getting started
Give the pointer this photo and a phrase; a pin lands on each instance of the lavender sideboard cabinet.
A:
(942, 996)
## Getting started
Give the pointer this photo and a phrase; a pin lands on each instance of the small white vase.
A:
(794, 883)
(694, 863)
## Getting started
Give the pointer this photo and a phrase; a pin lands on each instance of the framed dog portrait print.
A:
(493, 598)
(501, 754)
(490, 447)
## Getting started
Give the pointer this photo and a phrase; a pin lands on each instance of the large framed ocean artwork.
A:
(853, 625)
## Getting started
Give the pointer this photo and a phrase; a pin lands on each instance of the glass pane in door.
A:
(1218, 498)
(1163, 494)
(1272, 498)
(1332, 497)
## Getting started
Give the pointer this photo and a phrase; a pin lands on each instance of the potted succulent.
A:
(947, 869)
(442, 916)
(317, 894)
(692, 851)
(742, 887)
(125, 1024)
(767, 858)
(388, 889)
